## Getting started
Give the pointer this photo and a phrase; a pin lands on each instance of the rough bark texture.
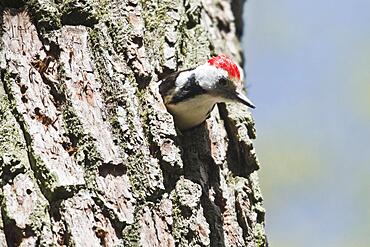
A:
(89, 155)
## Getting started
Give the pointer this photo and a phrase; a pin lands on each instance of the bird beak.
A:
(244, 100)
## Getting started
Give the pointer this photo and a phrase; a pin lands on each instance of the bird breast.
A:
(192, 112)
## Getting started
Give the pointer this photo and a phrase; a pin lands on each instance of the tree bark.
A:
(89, 156)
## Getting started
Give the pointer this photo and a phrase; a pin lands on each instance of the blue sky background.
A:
(308, 72)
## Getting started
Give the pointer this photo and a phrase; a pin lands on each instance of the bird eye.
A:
(223, 81)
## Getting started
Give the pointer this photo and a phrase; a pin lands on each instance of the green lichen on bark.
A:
(187, 215)
(119, 32)
(86, 154)
(39, 219)
(45, 14)
(195, 51)
(11, 140)
(162, 20)
(14, 162)
(76, 12)
(131, 233)
(117, 86)
(259, 229)
(50, 15)
(171, 36)
(45, 179)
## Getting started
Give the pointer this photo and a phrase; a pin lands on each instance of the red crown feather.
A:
(223, 62)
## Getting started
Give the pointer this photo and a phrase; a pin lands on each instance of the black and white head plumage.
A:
(190, 95)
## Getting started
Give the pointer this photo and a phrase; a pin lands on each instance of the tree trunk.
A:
(89, 155)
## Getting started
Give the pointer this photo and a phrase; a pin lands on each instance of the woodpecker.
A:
(190, 95)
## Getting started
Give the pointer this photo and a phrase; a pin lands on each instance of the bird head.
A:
(220, 78)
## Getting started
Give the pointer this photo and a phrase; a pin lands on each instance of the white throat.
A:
(192, 112)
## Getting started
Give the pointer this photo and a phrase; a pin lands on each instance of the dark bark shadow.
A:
(241, 158)
(200, 168)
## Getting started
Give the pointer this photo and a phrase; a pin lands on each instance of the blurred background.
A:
(308, 72)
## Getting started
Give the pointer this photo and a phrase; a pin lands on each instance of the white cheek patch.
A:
(183, 78)
(208, 76)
